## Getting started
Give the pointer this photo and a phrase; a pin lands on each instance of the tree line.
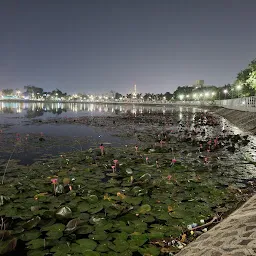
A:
(243, 86)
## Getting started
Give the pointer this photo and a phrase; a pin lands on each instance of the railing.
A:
(243, 104)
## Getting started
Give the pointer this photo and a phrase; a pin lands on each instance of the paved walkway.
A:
(234, 236)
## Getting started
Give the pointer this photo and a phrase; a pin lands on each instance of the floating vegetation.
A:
(145, 199)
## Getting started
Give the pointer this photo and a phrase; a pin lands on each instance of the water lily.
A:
(122, 196)
(54, 181)
(169, 177)
(161, 143)
(115, 162)
(102, 149)
(107, 197)
(174, 160)
(113, 168)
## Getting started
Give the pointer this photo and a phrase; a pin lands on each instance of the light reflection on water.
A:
(47, 110)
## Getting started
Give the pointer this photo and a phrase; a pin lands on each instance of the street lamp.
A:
(225, 92)
(181, 97)
(239, 87)
(18, 93)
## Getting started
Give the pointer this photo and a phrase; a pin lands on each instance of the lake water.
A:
(17, 118)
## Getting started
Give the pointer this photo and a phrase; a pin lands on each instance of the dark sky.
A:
(99, 45)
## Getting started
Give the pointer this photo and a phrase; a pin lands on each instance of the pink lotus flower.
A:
(146, 159)
(174, 160)
(169, 177)
(54, 181)
(201, 146)
(115, 161)
(113, 168)
(206, 159)
(102, 149)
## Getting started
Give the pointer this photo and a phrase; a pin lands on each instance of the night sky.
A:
(102, 45)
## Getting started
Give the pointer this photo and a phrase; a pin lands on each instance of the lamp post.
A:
(225, 92)
(238, 88)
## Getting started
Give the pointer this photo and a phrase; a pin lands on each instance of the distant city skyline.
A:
(95, 46)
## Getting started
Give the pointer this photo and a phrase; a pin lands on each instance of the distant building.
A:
(199, 84)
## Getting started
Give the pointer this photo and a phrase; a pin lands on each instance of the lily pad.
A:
(144, 209)
(32, 223)
(8, 245)
(83, 245)
(64, 213)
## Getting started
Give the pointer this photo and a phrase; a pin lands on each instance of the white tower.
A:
(135, 90)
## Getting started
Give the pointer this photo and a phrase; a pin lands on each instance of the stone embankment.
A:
(244, 120)
(234, 236)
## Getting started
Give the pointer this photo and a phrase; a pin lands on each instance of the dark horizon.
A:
(97, 46)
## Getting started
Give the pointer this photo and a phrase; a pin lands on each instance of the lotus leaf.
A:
(30, 235)
(149, 250)
(85, 229)
(5, 234)
(47, 214)
(155, 235)
(145, 177)
(98, 236)
(72, 225)
(139, 226)
(128, 171)
(137, 241)
(83, 207)
(8, 245)
(119, 245)
(37, 253)
(102, 247)
(112, 174)
(32, 223)
(58, 227)
(36, 244)
(95, 209)
(62, 249)
(83, 245)
(147, 218)
(144, 209)
(93, 199)
(104, 225)
(133, 200)
(127, 253)
(91, 253)
(66, 181)
(120, 236)
(59, 189)
(96, 220)
(64, 213)
(54, 235)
